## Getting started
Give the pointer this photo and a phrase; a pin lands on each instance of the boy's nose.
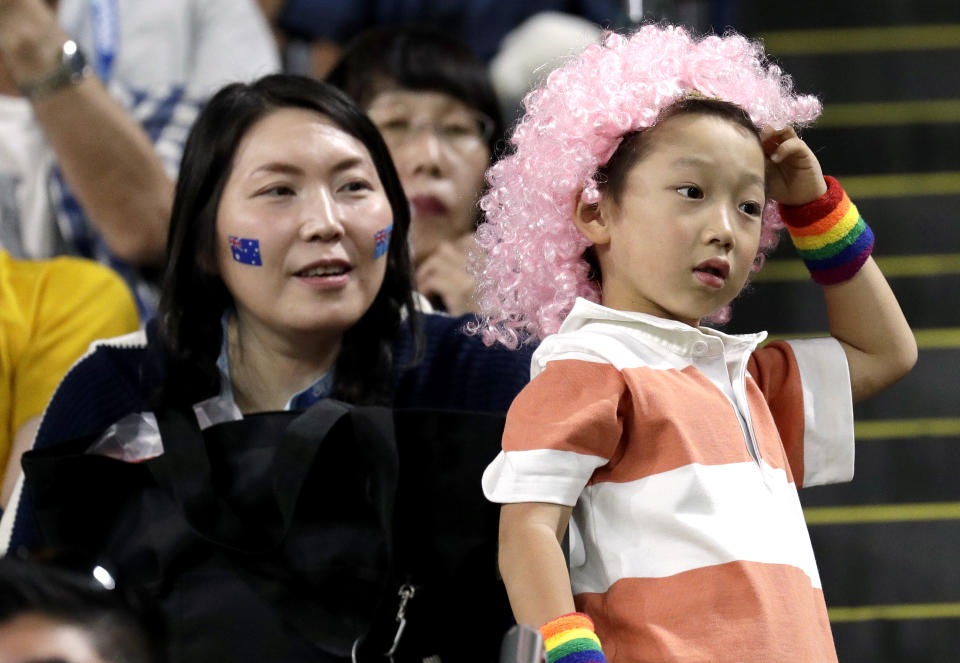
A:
(720, 229)
(321, 220)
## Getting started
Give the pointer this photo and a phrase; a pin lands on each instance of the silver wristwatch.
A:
(71, 69)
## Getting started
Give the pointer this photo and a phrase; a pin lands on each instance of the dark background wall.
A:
(888, 544)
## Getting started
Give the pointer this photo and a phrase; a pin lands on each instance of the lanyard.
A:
(105, 20)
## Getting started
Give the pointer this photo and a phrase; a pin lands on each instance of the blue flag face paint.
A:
(245, 251)
(382, 241)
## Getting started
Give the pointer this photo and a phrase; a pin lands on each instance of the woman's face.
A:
(303, 227)
(439, 146)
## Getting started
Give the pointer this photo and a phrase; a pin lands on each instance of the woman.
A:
(282, 221)
(433, 102)
(287, 282)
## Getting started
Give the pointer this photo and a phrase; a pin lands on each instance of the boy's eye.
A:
(751, 208)
(690, 191)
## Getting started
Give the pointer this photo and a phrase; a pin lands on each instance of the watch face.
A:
(72, 68)
(73, 58)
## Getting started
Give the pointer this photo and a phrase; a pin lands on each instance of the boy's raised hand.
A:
(794, 176)
(862, 311)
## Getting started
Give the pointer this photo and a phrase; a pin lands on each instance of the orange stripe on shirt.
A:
(675, 417)
(572, 405)
(776, 376)
(740, 612)
(678, 418)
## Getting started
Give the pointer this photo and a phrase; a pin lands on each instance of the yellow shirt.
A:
(50, 311)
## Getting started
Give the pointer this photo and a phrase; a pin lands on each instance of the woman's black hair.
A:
(194, 297)
(417, 57)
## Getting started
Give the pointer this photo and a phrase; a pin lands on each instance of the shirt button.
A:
(700, 348)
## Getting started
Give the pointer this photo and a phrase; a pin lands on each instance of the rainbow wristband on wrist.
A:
(830, 235)
(570, 639)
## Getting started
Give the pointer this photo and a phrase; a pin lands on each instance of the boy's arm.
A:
(863, 312)
(865, 317)
(532, 563)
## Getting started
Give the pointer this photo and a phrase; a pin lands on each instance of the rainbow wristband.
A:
(830, 235)
(570, 639)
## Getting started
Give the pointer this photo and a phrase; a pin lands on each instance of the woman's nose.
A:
(423, 153)
(321, 220)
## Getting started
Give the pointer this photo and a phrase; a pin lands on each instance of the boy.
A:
(675, 448)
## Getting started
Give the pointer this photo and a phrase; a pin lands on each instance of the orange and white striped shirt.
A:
(682, 450)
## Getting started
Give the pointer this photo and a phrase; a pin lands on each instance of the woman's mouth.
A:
(324, 276)
(329, 270)
(426, 205)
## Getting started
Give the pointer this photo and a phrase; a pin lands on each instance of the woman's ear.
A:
(590, 220)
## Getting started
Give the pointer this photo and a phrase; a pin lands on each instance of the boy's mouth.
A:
(713, 272)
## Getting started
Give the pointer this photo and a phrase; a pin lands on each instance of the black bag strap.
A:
(184, 471)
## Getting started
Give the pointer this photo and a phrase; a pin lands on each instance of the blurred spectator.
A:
(50, 311)
(199, 44)
(433, 102)
(51, 615)
(90, 173)
(532, 50)
(326, 24)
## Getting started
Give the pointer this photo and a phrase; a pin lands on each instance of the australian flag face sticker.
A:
(382, 241)
(245, 251)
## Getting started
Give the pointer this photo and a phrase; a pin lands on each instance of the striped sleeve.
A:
(563, 425)
(806, 385)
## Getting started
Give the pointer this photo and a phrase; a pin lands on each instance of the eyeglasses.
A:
(461, 130)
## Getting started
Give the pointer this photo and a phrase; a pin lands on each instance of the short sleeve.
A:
(76, 302)
(564, 425)
(806, 385)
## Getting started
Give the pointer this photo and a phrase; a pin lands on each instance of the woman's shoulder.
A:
(115, 377)
(456, 371)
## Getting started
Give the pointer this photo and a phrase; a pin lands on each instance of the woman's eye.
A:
(277, 191)
(690, 191)
(751, 208)
(395, 124)
(457, 128)
(357, 185)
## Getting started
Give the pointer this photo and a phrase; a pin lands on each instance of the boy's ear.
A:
(591, 222)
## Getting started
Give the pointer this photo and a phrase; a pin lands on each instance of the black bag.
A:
(290, 537)
(445, 534)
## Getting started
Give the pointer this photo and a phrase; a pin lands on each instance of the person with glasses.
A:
(432, 100)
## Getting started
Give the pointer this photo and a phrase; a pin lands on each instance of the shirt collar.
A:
(222, 407)
(678, 336)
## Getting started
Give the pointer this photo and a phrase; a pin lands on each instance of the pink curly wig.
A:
(530, 268)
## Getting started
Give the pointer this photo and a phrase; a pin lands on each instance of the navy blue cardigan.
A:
(456, 372)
